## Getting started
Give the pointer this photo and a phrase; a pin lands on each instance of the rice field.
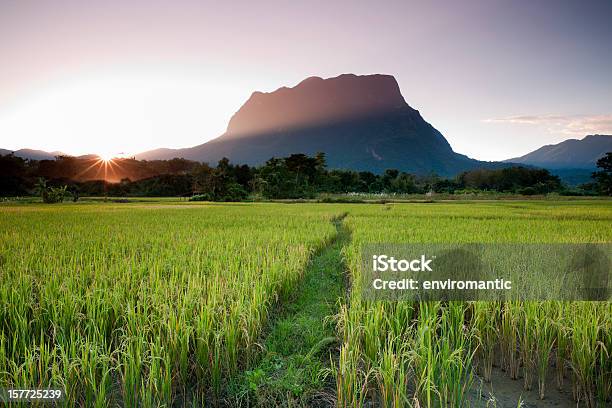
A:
(144, 305)
(436, 353)
(167, 303)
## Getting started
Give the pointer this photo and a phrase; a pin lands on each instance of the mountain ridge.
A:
(361, 122)
(568, 154)
(32, 154)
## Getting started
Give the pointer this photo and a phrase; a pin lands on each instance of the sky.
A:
(497, 78)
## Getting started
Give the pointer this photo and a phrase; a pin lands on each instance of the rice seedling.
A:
(392, 374)
(528, 339)
(603, 378)
(584, 351)
(485, 324)
(562, 344)
(545, 341)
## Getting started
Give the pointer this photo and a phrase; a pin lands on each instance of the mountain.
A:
(359, 122)
(569, 154)
(32, 154)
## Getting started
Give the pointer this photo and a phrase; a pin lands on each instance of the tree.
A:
(519, 179)
(275, 180)
(14, 175)
(321, 162)
(603, 178)
(50, 195)
(388, 177)
(404, 183)
(202, 179)
(304, 168)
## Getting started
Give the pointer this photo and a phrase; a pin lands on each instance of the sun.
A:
(106, 157)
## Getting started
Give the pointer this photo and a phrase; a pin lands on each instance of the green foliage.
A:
(296, 349)
(427, 354)
(233, 192)
(603, 178)
(15, 179)
(297, 176)
(171, 303)
(522, 180)
(145, 305)
(51, 195)
(201, 197)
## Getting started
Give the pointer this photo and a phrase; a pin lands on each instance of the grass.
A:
(292, 369)
(173, 303)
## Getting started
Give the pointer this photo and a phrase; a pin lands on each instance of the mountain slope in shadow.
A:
(571, 153)
(359, 122)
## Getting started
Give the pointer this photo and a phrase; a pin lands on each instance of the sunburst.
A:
(104, 167)
(106, 157)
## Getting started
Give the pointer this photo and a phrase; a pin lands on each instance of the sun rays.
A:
(105, 167)
(106, 157)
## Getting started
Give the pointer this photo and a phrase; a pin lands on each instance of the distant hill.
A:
(32, 154)
(360, 122)
(573, 176)
(569, 154)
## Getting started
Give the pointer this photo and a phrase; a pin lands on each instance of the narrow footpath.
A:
(298, 346)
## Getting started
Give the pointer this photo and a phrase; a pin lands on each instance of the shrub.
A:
(201, 197)
(528, 191)
(54, 195)
(234, 192)
(51, 195)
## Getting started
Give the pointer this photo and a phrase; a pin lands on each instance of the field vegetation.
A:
(173, 303)
(144, 304)
(435, 353)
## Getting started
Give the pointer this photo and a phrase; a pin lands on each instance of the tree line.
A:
(293, 177)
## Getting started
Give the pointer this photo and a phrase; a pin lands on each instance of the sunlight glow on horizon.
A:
(120, 115)
(85, 77)
(107, 157)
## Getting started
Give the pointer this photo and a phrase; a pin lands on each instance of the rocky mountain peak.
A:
(316, 101)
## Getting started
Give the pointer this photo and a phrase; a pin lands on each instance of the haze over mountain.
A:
(359, 122)
(32, 154)
(571, 153)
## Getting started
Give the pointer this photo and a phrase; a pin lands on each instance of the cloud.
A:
(571, 125)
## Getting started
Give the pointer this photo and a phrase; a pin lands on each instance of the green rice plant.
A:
(351, 378)
(509, 338)
(603, 378)
(147, 303)
(521, 336)
(160, 304)
(584, 352)
(527, 341)
(545, 341)
(562, 338)
(423, 353)
(455, 351)
(485, 322)
(392, 374)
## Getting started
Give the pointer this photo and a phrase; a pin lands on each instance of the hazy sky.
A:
(497, 78)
